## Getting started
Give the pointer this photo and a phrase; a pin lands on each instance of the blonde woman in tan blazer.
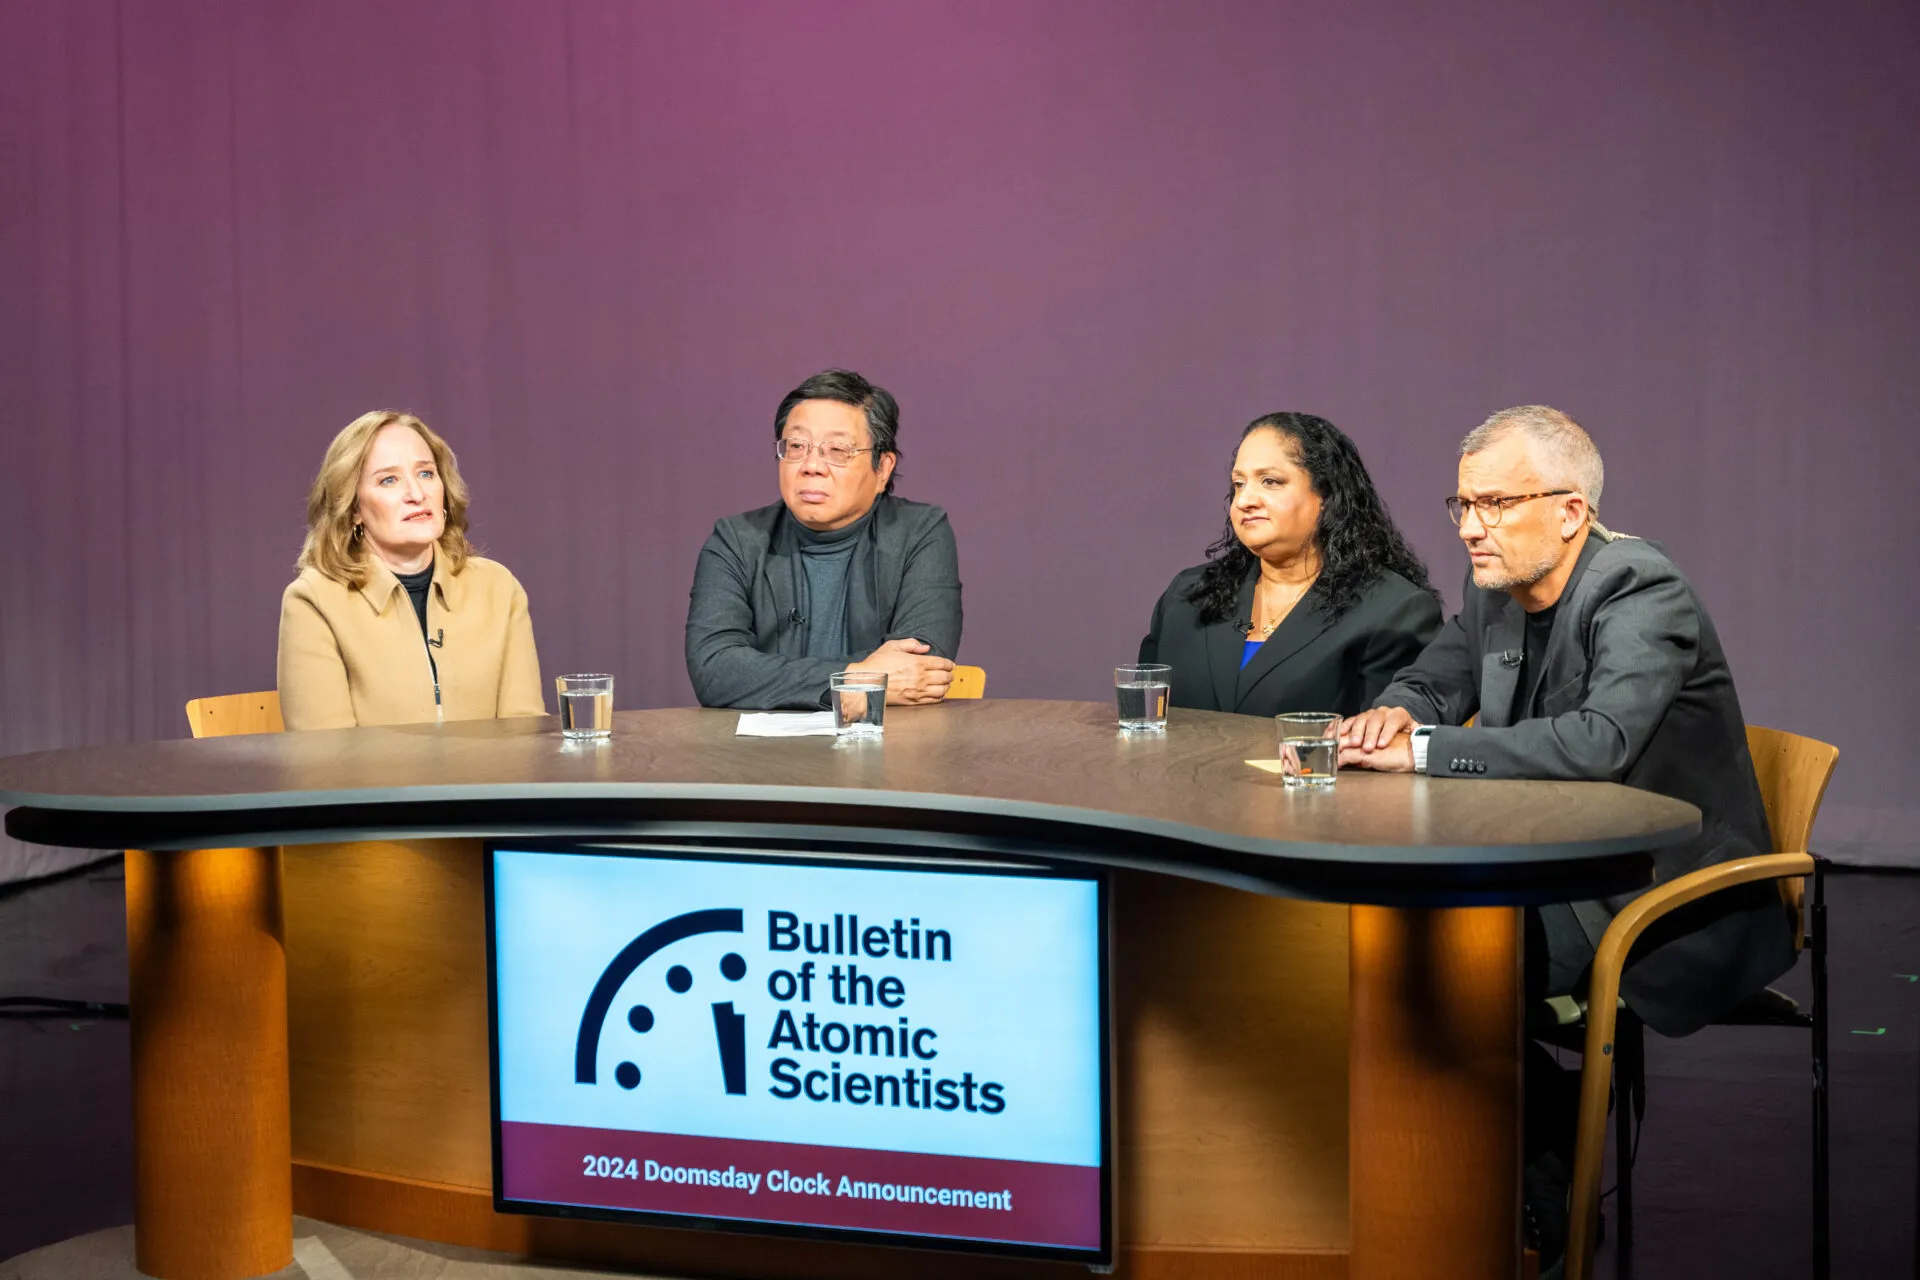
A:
(394, 619)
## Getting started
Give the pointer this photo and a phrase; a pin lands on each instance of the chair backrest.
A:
(968, 682)
(235, 713)
(1793, 772)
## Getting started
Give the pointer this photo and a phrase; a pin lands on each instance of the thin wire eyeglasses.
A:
(833, 453)
(1491, 509)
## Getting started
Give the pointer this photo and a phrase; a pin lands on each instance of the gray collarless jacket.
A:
(1634, 688)
(746, 619)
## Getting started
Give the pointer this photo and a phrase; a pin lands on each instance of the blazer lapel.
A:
(1297, 630)
(1225, 642)
(781, 572)
(873, 572)
(1500, 664)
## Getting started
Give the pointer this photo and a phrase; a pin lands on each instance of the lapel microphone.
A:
(795, 617)
(439, 640)
(1511, 658)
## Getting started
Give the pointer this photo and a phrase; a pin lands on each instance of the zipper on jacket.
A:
(433, 673)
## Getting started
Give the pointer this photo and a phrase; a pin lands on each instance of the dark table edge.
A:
(1418, 876)
(83, 814)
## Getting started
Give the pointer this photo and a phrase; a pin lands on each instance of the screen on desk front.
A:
(879, 1049)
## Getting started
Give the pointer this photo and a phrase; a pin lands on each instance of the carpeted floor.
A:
(321, 1251)
(1721, 1183)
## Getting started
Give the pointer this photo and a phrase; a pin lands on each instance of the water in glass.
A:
(1309, 753)
(586, 714)
(859, 704)
(1309, 762)
(586, 705)
(1143, 704)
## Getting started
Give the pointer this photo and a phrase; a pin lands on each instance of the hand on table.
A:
(1378, 739)
(1395, 757)
(1371, 730)
(915, 674)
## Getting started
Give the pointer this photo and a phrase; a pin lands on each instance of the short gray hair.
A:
(1561, 447)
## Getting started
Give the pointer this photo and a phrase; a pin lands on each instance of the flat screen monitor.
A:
(886, 1049)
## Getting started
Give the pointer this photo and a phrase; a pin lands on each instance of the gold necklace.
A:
(1266, 632)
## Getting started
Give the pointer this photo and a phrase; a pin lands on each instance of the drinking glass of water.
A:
(1309, 753)
(586, 705)
(859, 703)
(1142, 690)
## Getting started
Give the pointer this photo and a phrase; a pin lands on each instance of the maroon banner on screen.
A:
(793, 1184)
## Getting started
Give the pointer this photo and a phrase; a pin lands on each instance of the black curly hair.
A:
(1355, 537)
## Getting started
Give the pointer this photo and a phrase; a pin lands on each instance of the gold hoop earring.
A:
(356, 533)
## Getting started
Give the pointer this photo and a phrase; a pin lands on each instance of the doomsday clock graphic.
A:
(729, 1027)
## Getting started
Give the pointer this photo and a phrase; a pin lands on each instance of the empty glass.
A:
(1142, 691)
(1309, 753)
(859, 702)
(586, 705)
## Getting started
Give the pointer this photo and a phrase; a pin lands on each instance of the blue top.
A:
(1247, 650)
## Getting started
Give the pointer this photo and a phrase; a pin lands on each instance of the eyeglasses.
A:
(832, 453)
(1491, 509)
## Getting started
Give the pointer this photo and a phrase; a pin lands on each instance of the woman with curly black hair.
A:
(1310, 600)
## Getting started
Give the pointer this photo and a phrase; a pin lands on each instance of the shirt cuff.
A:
(1422, 735)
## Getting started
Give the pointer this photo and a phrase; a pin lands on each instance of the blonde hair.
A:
(334, 546)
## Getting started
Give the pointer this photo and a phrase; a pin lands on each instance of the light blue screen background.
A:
(1018, 1004)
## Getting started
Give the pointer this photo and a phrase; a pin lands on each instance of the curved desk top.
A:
(995, 777)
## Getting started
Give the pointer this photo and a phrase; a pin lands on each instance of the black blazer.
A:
(746, 638)
(1309, 663)
(1633, 688)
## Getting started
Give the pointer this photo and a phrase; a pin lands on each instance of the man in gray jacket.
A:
(837, 575)
(1587, 656)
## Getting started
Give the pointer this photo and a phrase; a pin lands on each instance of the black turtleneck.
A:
(417, 585)
(826, 559)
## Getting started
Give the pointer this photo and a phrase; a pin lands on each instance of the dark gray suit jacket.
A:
(1310, 663)
(746, 630)
(1633, 688)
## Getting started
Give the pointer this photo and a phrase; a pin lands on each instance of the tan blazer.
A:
(355, 655)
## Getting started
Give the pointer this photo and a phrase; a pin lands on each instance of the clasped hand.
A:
(1377, 739)
(915, 674)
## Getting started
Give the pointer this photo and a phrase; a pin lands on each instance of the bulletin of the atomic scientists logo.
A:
(898, 1051)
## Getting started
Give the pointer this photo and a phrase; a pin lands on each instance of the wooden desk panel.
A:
(387, 1000)
(1231, 1032)
(1231, 1029)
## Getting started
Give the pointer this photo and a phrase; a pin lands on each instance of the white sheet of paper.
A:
(785, 724)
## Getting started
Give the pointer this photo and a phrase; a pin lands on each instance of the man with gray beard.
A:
(1587, 655)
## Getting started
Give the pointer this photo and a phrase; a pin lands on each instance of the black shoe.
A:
(1544, 1188)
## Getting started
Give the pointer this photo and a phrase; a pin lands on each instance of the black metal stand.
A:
(1629, 1106)
(1817, 944)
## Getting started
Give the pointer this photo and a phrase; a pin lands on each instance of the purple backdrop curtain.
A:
(593, 244)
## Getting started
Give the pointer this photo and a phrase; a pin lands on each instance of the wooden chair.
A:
(968, 682)
(1793, 773)
(232, 713)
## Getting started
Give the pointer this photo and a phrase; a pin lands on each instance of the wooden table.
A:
(1435, 870)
